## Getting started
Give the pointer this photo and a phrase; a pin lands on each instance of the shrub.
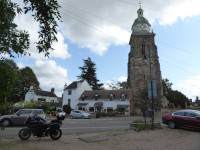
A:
(116, 112)
(48, 112)
(67, 109)
(195, 108)
(103, 114)
(111, 114)
(171, 105)
(143, 128)
(98, 114)
(138, 121)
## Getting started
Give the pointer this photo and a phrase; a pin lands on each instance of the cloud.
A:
(20, 65)
(97, 25)
(49, 74)
(190, 86)
(26, 22)
(114, 82)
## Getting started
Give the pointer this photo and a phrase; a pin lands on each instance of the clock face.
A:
(139, 27)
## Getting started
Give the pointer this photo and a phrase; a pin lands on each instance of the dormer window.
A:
(96, 96)
(83, 97)
(123, 96)
(111, 96)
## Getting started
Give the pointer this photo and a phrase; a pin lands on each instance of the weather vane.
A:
(140, 3)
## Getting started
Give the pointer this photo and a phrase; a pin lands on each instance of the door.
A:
(178, 118)
(20, 117)
(192, 121)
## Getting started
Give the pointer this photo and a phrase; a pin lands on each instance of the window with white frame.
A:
(123, 96)
(69, 92)
(111, 96)
(69, 102)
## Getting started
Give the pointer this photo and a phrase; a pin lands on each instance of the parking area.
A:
(162, 139)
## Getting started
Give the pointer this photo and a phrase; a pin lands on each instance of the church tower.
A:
(144, 75)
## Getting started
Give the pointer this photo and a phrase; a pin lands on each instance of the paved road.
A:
(77, 126)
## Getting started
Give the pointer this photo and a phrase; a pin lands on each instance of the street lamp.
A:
(151, 96)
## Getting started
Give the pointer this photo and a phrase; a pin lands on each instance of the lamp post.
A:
(151, 85)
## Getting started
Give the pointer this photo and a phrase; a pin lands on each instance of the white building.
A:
(73, 92)
(107, 100)
(41, 96)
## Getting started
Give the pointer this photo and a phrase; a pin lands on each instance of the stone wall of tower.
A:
(139, 65)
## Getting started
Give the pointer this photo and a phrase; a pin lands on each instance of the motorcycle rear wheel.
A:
(24, 134)
(56, 134)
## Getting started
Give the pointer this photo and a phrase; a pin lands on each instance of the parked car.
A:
(79, 114)
(20, 116)
(187, 119)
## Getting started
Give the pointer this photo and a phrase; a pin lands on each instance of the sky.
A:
(101, 29)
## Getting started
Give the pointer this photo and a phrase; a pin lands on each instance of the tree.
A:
(26, 78)
(116, 85)
(89, 73)
(167, 86)
(174, 96)
(15, 82)
(67, 109)
(8, 76)
(123, 85)
(14, 41)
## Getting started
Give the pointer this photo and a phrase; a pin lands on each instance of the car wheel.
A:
(6, 122)
(71, 117)
(82, 117)
(171, 125)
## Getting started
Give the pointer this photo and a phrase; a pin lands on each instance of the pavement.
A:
(162, 139)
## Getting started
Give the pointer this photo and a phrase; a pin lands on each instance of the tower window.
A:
(143, 49)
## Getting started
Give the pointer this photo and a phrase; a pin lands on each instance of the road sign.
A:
(154, 89)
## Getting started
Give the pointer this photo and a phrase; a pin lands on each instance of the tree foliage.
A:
(116, 85)
(88, 72)
(67, 109)
(8, 77)
(14, 41)
(15, 82)
(174, 96)
(26, 78)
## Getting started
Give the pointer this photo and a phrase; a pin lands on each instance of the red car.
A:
(187, 119)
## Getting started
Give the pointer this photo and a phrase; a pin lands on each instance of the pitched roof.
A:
(44, 93)
(105, 94)
(73, 85)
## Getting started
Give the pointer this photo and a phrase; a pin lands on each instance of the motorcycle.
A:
(39, 128)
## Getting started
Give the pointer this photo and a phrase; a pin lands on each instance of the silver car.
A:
(79, 114)
(20, 116)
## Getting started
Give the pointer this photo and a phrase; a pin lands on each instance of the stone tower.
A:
(143, 63)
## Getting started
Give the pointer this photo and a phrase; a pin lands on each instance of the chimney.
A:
(52, 90)
(65, 86)
(197, 98)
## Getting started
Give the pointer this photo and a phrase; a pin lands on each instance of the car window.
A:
(179, 113)
(197, 112)
(23, 112)
(35, 112)
(188, 114)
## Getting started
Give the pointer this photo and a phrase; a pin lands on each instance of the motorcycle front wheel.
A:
(55, 134)
(24, 134)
